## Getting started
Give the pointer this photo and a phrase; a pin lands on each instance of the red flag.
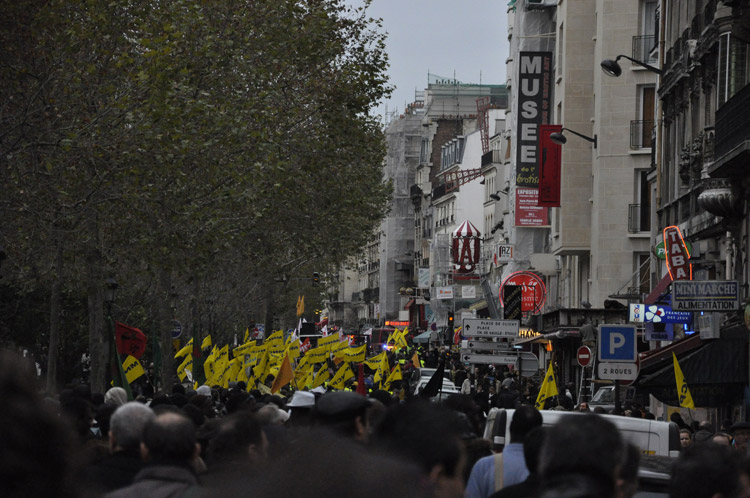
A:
(457, 337)
(130, 340)
(361, 389)
(305, 345)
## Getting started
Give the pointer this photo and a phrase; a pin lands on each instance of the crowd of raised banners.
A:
(288, 361)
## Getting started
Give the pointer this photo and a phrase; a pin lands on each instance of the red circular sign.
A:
(583, 355)
(533, 294)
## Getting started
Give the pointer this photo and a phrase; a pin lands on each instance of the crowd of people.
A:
(233, 442)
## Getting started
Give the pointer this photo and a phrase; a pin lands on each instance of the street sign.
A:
(488, 359)
(512, 295)
(504, 253)
(617, 343)
(617, 371)
(490, 328)
(705, 295)
(584, 356)
(528, 364)
(176, 329)
(485, 345)
(644, 313)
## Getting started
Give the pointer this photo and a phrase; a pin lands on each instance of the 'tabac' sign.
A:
(677, 253)
(617, 343)
(533, 290)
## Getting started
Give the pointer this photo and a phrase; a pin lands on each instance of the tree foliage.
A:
(207, 147)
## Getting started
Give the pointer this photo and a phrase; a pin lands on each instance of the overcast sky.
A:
(441, 36)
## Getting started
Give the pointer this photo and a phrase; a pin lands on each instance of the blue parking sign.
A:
(617, 343)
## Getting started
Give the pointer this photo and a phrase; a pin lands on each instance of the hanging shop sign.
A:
(677, 254)
(534, 90)
(466, 248)
(533, 290)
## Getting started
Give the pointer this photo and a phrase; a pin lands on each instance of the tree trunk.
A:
(54, 320)
(99, 341)
(167, 372)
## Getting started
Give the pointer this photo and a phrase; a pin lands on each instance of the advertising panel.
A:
(535, 73)
(549, 167)
(528, 211)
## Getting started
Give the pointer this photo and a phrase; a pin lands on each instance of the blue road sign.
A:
(617, 343)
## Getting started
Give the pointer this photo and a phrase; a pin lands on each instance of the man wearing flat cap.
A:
(344, 412)
(741, 432)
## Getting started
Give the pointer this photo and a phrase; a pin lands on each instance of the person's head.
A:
(524, 420)
(239, 438)
(37, 448)
(584, 450)
(686, 438)
(116, 396)
(532, 447)
(583, 407)
(722, 438)
(429, 435)
(741, 433)
(169, 438)
(126, 426)
(707, 470)
(344, 412)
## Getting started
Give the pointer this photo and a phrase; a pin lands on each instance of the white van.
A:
(448, 388)
(651, 436)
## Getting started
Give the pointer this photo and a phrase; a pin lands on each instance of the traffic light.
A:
(450, 320)
(315, 279)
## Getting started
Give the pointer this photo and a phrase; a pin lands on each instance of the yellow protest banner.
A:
(321, 377)
(132, 368)
(357, 354)
(318, 355)
(548, 389)
(683, 392)
(342, 375)
(374, 362)
(330, 339)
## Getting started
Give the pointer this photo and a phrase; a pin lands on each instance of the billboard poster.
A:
(549, 167)
(534, 92)
(528, 211)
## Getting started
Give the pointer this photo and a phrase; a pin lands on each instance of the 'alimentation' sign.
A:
(705, 295)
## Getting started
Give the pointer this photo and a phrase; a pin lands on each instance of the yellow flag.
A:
(318, 355)
(683, 392)
(285, 375)
(275, 339)
(415, 360)
(383, 369)
(374, 362)
(321, 377)
(187, 364)
(300, 305)
(206, 342)
(247, 334)
(329, 339)
(356, 355)
(338, 348)
(243, 349)
(548, 389)
(260, 368)
(395, 375)
(293, 349)
(185, 350)
(344, 373)
(401, 340)
(133, 368)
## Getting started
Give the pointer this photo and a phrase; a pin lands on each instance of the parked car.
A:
(448, 388)
(652, 437)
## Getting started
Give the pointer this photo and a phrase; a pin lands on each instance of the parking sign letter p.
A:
(615, 341)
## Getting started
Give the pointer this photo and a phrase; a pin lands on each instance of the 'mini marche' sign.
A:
(705, 295)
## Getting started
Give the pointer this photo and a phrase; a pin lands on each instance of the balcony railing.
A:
(732, 123)
(643, 47)
(641, 134)
(639, 218)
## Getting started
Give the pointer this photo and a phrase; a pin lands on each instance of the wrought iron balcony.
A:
(641, 134)
(643, 48)
(639, 218)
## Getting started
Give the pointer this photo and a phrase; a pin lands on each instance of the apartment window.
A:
(560, 51)
(639, 213)
(642, 129)
(733, 67)
(645, 43)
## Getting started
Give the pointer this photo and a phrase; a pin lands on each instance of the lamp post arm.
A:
(592, 140)
(642, 64)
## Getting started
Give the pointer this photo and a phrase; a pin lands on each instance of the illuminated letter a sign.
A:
(677, 255)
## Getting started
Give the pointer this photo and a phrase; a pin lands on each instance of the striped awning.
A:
(466, 229)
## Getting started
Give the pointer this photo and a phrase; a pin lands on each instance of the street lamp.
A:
(612, 68)
(561, 139)
(110, 287)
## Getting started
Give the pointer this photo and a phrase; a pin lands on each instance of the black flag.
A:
(435, 384)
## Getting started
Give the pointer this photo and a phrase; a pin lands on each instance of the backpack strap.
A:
(498, 471)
